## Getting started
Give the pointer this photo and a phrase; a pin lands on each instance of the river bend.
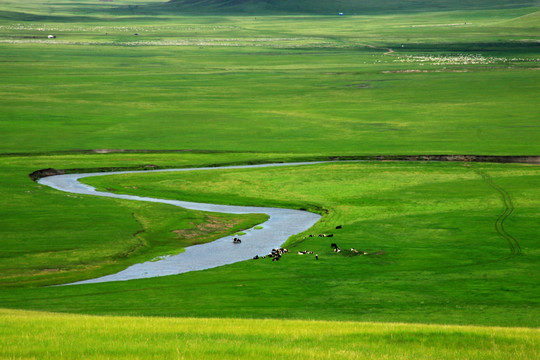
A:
(282, 224)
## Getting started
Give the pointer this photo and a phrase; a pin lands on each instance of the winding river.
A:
(282, 224)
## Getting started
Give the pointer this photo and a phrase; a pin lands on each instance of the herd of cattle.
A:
(276, 254)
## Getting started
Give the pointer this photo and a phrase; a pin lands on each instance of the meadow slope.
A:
(455, 83)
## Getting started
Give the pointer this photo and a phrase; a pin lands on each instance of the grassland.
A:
(248, 89)
(435, 254)
(54, 336)
(463, 82)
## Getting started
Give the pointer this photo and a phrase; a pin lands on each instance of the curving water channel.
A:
(282, 224)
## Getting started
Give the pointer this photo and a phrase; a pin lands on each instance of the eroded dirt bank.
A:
(38, 174)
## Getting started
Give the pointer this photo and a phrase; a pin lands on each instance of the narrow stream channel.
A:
(282, 224)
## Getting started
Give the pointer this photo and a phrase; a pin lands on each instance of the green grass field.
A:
(54, 336)
(463, 82)
(429, 228)
(184, 86)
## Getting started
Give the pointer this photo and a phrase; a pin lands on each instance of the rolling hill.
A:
(337, 6)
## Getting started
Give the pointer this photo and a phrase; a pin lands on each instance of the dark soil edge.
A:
(522, 159)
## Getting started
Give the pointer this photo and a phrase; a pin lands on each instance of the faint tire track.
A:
(515, 248)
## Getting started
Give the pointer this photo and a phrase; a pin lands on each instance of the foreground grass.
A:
(33, 335)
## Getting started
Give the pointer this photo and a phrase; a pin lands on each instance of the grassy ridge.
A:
(260, 7)
(69, 11)
(53, 336)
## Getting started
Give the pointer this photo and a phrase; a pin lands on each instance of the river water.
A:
(282, 224)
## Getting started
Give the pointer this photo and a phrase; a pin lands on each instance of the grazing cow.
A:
(330, 235)
(335, 247)
(316, 256)
(339, 226)
(279, 251)
(255, 257)
(236, 241)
